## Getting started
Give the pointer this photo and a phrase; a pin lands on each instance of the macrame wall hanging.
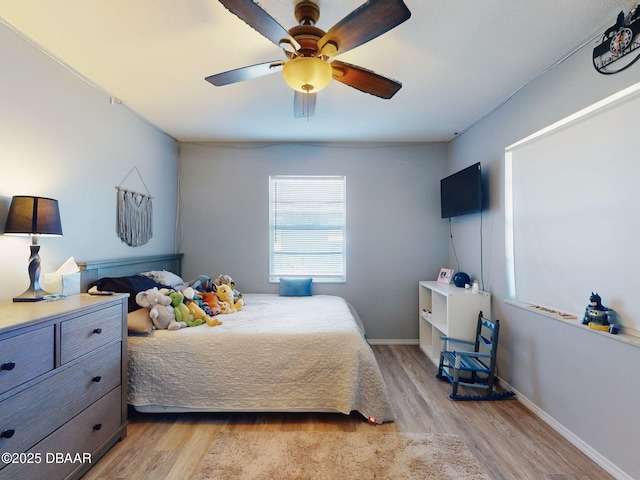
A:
(135, 214)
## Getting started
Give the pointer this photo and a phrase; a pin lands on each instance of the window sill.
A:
(627, 338)
(315, 280)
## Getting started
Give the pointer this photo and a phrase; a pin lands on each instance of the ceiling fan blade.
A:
(364, 80)
(253, 15)
(365, 23)
(304, 104)
(245, 73)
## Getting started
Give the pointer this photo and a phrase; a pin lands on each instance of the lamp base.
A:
(31, 295)
(34, 293)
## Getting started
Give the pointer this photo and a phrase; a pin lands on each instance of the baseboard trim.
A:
(393, 341)
(568, 435)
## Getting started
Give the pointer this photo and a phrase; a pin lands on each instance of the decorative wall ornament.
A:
(135, 214)
(616, 49)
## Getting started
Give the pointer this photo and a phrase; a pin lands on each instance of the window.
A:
(307, 227)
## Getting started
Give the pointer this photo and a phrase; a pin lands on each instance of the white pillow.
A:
(164, 277)
(139, 321)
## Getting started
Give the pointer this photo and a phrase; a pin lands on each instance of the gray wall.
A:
(61, 138)
(585, 381)
(395, 236)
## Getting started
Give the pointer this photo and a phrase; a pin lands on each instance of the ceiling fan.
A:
(310, 51)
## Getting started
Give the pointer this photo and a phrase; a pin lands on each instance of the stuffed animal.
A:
(224, 280)
(200, 302)
(182, 312)
(202, 283)
(225, 308)
(225, 294)
(212, 301)
(196, 311)
(212, 312)
(227, 280)
(160, 310)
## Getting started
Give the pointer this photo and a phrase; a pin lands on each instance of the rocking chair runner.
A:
(479, 363)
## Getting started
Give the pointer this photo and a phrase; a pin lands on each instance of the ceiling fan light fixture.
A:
(307, 74)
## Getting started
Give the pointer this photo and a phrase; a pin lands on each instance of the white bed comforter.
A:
(277, 354)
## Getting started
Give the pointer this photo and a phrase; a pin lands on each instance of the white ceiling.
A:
(457, 60)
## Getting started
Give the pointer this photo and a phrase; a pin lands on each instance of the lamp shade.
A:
(33, 216)
(307, 74)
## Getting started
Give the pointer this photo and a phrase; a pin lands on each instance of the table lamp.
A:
(33, 216)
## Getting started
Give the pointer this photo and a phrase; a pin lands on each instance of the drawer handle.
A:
(97, 378)
(97, 331)
(8, 366)
(8, 433)
(97, 426)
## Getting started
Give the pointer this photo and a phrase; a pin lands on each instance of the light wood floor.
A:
(508, 440)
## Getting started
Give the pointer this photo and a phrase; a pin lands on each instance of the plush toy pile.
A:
(195, 305)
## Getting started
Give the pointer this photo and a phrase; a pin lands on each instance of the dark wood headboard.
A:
(92, 271)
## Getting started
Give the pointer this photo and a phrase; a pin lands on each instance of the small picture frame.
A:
(445, 276)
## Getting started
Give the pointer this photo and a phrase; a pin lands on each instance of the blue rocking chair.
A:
(475, 365)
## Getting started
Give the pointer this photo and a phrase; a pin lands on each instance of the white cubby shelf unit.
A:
(448, 310)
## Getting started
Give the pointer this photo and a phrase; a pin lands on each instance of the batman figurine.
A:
(599, 317)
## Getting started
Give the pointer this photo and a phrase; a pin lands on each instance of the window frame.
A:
(337, 276)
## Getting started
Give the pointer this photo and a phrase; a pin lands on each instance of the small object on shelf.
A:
(445, 276)
(94, 291)
(460, 279)
(599, 317)
(554, 313)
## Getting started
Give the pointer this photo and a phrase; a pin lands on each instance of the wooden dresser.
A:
(62, 384)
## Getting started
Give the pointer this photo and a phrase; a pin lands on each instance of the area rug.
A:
(337, 456)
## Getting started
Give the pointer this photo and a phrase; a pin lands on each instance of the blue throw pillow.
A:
(295, 287)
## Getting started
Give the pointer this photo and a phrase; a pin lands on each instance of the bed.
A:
(278, 354)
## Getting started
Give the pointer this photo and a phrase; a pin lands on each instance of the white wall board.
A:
(573, 211)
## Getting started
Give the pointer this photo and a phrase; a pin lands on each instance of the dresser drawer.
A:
(84, 334)
(77, 440)
(18, 364)
(36, 412)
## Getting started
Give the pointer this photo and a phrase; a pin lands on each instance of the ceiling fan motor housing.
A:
(307, 13)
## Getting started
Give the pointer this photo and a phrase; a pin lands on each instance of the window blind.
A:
(307, 219)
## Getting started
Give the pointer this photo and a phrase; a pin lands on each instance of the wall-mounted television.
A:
(461, 193)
